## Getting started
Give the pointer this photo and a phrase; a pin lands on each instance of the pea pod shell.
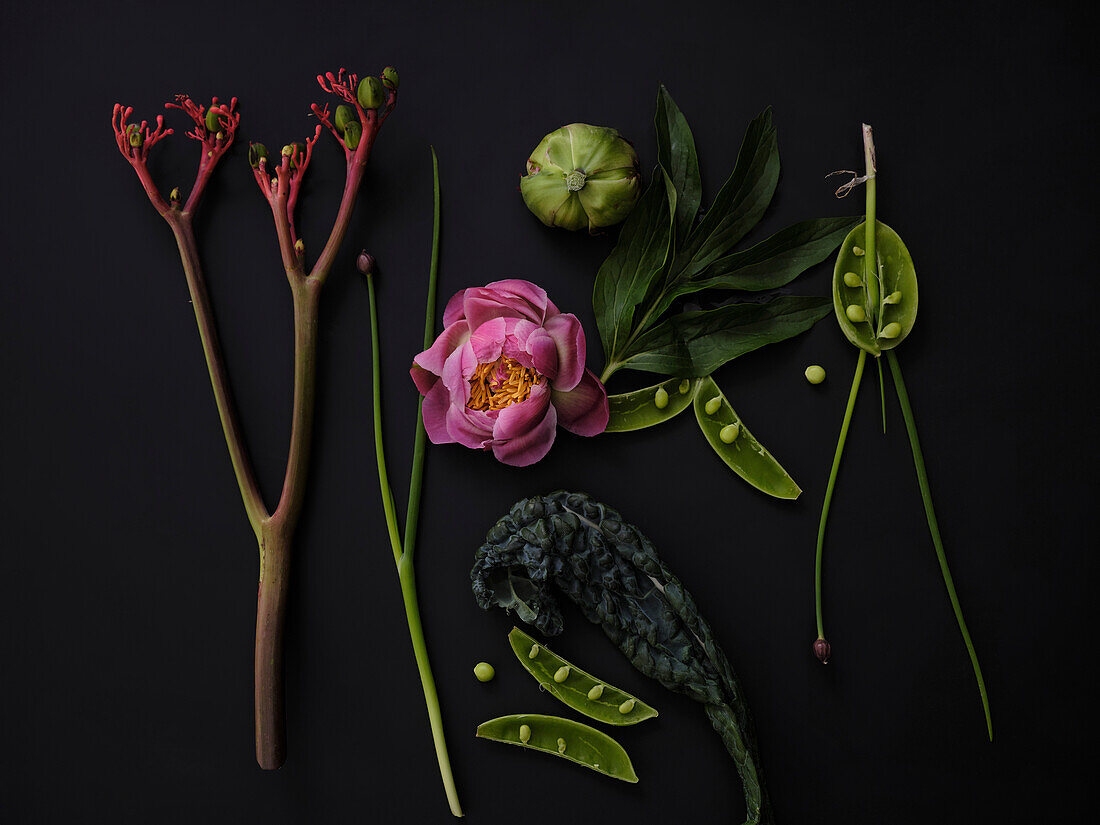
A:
(584, 745)
(574, 689)
(745, 455)
(638, 410)
(898, 276)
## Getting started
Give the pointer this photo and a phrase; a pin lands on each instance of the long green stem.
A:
(881, 393)
(403, 554)
(832, 483)
(933, 528)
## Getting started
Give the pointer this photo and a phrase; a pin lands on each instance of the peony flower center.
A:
(501, 383)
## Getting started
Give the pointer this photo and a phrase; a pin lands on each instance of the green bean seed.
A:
(643, 408)
(857, 250)
(815, 374)
(534, 652)
(745, 456)
(852, 280)
(891, 330)
(556, 736)
(729, 433)
(892, 298)
(856, 314)
(714, 405)
(484, 671)
(577, 689)
(626, 706)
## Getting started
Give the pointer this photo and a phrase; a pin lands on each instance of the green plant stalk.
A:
(933, 528)
(881, 393)
(860, 362)
(403, 552)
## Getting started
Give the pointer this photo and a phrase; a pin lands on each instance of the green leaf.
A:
(676, 154)
(778, 260)
(636, 261)
(697, 343)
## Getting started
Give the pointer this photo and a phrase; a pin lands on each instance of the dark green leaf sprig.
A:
(568, 542)
(668, 249)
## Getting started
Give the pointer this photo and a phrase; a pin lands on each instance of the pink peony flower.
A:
(507, 369)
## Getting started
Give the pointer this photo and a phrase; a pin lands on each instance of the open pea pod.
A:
(650, 406)
(577, 689)
(736, 446)
(562, 737)
(876, 310)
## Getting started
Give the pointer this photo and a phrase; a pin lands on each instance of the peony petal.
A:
(470, 428)
(457, 372)
(433, 358)
(423, 379)
(510, 298)
(454, 311)
(436, 402)
(583, 410)
(568, 335)
(487, 340)
(525, 432)
(544, 353)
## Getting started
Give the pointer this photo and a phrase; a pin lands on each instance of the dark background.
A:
(129, 569)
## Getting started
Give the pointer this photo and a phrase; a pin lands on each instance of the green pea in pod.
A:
(353, 131)
(370, 93)
(582, 176)
(875, 309)
(344, 115)
(256, 153)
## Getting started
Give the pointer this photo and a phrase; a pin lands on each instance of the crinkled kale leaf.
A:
(585, 549)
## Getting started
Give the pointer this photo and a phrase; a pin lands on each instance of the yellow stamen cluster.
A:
(500, 384)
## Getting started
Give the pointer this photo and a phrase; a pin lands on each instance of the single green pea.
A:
(892, 298)
(256, 153)
(714, 405)
(534, 652)
(212, 122)
(815, 374)
(564, 739)
(370, 92)
(685, 385)
(857, 251)
(574, 687)
(891, 330)
(852, 280)
(856, 314)
(626, 706)
(390, 78)
(345, 114)
(352, 134)
(484, 672)
(729, 433)
(660, 398)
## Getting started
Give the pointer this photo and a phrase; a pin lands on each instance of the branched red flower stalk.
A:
(215, 128)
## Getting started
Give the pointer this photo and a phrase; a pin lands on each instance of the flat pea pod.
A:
(578, 689)
(744, 454)
(639, 409)
(582, 744)
(894, 303)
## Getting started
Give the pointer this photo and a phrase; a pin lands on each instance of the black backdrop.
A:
(129, 567)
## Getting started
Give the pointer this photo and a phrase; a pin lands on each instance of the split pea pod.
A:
(735, 445)
(650, 406)
(562, 737)
(575, 688)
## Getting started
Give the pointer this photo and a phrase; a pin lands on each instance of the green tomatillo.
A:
(582, 176)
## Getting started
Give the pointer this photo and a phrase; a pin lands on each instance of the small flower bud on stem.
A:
(365, 263)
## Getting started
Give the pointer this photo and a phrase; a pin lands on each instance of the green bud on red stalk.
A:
(822, 650)
(370, 92)
(256, 153)
(212, 123)
(365, 263)
(353, 131)
(300, 247)
(344, 115)
(136, 137)
(390, 79)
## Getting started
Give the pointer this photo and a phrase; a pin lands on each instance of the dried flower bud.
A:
(390, 79)
(365, 263)
(256, 153)
(174, 195)
(370, 93)
(582, 176)
(344, 115)
(352, 133)
(822, 651)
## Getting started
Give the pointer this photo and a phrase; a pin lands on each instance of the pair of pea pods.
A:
(582, 692)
